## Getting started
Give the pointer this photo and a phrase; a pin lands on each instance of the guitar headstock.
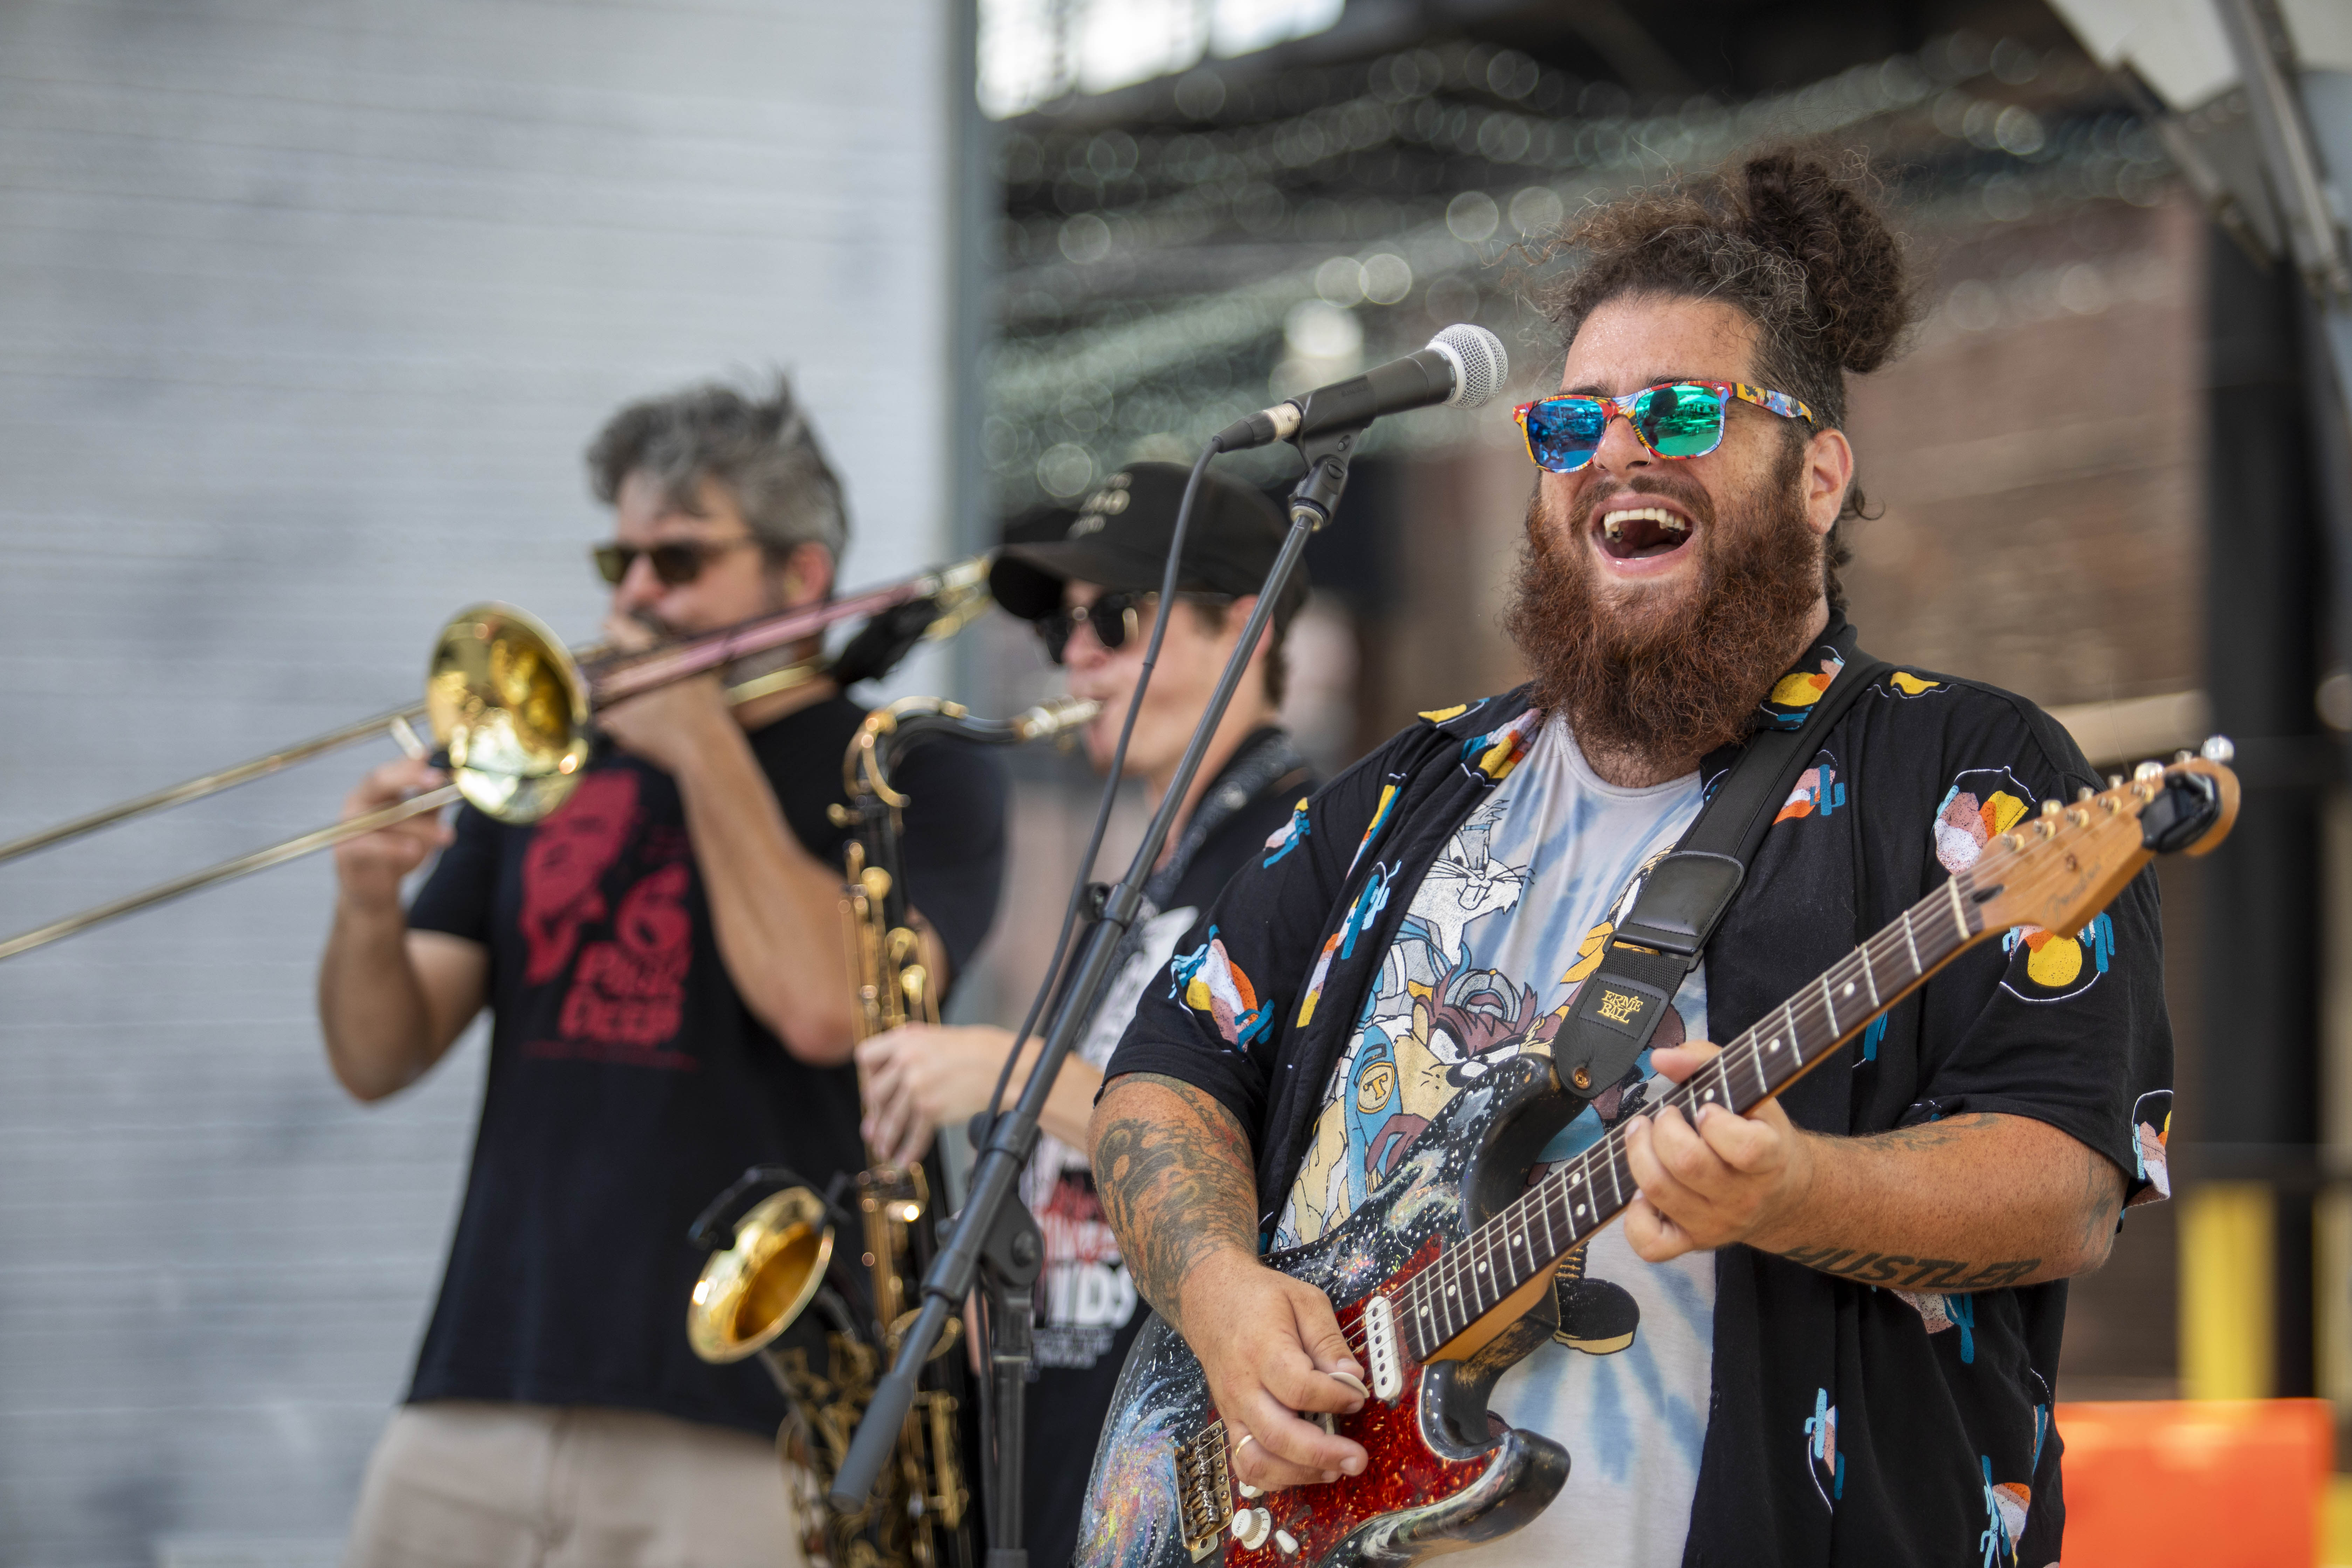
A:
(2058, 869)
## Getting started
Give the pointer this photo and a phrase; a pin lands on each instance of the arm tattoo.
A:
(1176, 1186)
(1894, 1270)
(1937, 1134)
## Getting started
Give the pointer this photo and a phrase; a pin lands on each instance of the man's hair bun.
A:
(1861, 300)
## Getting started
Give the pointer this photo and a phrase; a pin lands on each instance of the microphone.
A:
(1462, 367)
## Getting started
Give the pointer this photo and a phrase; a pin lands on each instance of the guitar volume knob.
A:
(1251, 1526)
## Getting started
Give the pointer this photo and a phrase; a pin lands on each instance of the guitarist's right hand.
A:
(1268, 1345)
(1172, 1167)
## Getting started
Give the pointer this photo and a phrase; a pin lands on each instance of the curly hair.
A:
(1801, 248)
(762, 448)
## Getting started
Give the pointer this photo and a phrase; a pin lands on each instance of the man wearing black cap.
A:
(1092, 592)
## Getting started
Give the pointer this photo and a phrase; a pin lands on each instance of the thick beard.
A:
(1671, 692)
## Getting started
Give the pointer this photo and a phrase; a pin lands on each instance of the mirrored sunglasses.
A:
(1675, 419)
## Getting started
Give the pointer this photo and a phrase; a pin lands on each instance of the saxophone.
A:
(825, 1330)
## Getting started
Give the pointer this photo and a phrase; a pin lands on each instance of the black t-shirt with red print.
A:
(629, 1083)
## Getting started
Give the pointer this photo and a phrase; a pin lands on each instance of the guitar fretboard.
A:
(1578, 1196)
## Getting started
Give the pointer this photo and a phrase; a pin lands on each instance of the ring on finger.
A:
(1245, 1488)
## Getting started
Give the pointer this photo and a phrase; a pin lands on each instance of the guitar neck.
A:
(1578, 1196)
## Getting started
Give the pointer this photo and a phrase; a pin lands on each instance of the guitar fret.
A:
(1828, 1008)
(1912, 942)
(1796, 1049)
(1959, 914)
(1868, 977)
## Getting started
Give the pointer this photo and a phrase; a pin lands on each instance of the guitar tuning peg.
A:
(2184, 756)
(2115, 781)
(2082, 796)
(2217, 749)
(2148, 771)
(2051, 807)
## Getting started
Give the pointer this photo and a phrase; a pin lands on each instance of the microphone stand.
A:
(995, 1240)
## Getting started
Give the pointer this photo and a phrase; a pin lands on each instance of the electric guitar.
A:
(1435, 1275)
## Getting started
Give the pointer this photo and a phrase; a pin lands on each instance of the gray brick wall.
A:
(306, 308)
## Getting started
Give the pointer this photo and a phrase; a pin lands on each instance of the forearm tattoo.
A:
(1949, 1274)
(1175, 1187)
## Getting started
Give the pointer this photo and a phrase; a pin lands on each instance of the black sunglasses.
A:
(675, 565)
(1112, 618)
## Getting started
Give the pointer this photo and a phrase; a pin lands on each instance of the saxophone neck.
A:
(890, 732)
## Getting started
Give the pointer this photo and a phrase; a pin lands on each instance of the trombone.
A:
(510, 706)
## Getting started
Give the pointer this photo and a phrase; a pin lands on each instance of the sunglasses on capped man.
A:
(1112, 618)
(675, 565)
(1674, 419)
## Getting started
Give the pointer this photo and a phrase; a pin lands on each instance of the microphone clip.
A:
(1328, 452)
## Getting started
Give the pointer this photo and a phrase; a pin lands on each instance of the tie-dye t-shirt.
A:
(1503, 928)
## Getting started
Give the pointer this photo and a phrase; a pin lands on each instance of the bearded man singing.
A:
(1826, 1332)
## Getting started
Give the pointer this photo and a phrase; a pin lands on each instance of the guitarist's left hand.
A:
(1707, 1184)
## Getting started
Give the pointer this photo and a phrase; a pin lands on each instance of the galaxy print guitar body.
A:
(1435, 1277)
(1443, 1470)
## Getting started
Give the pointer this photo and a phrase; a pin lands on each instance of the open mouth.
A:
(1636, 533)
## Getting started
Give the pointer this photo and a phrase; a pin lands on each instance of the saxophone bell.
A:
(759, 1282)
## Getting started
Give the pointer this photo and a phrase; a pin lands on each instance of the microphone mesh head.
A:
(1480, 365)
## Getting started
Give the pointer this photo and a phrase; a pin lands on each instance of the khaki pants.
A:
(460, 1484)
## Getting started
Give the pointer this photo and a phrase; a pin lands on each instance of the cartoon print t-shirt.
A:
(628, 1084)
(1502, 931)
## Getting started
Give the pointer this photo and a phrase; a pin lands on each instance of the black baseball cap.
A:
(1119, 538)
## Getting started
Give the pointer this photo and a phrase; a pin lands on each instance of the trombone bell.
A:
(506, 700)
(754, 1290)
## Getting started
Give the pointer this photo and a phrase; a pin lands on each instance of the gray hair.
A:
(762, 448)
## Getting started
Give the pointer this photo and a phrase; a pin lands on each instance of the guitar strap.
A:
(1685, 894)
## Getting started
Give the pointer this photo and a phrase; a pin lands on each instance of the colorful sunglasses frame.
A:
(1771, 402)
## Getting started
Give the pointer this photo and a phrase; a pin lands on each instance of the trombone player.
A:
(664, 967)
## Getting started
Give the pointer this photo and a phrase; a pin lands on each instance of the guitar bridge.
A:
(1387, 1366)
(1204, 1492)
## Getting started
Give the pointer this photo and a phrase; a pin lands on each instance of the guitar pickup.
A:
(1386, 1363)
